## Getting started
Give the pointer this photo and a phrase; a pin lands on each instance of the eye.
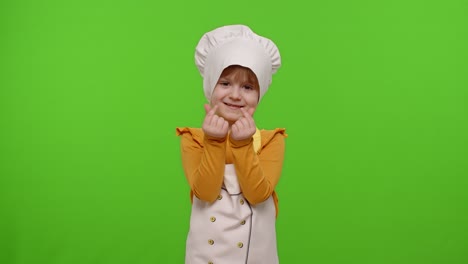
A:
(248, 87)
(224, 83)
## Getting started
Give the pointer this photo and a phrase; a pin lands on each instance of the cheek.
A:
(215, 98)
(218, 94)
(252, 99)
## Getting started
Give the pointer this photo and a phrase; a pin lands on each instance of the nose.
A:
(235, 92)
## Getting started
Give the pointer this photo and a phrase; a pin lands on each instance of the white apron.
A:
(230, 230)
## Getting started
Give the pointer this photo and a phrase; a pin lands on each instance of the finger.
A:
(251, 111)
(211, 111)
(220, 122)
(238, 126)
(244, 123)
(207, 108)
(207, 120)
(251, 119)
(248, 116)
(214, 120)
(244, 112)
(225, 126)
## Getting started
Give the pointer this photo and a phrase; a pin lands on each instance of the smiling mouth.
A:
(233, 106)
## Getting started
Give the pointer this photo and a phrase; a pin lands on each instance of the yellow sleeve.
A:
(259, 174)
(203, 160)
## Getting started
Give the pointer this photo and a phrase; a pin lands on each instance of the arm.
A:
(259, 174)
(203, 164)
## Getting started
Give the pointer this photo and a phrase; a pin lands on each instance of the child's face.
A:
(236, 88)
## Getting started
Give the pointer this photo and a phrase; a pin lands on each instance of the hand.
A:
(214, 125)
(244, 127)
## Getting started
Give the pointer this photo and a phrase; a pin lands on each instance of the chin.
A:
(231, 118)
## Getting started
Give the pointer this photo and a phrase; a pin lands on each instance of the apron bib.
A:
(230, 230)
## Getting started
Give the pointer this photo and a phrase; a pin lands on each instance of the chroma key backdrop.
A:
(373, 96)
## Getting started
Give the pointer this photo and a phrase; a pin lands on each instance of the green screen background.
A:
(373, 95)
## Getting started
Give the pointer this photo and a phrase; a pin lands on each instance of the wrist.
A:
(214, 138)
(236, 143)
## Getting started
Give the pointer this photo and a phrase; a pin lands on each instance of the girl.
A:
(231, 166)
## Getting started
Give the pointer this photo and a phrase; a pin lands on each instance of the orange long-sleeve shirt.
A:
(204, 159)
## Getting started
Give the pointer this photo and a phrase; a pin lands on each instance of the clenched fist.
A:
(214, 125)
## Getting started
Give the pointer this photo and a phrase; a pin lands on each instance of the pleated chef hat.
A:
(236, 45)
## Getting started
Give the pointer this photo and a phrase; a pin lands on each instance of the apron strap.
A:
(257, 140)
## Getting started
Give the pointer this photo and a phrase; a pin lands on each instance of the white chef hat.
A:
(236, 45)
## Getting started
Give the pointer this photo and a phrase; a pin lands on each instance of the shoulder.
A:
(269, 135)
(195, 134)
